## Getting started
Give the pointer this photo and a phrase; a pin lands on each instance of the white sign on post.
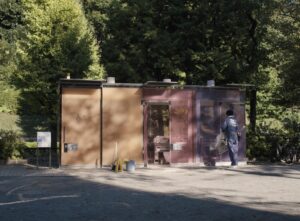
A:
(44, 139)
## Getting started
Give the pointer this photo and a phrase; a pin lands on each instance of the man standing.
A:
(230, 128)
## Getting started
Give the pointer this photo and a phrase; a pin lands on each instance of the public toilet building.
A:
(150, 123)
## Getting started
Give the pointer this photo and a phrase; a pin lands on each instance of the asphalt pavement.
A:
(260, 192)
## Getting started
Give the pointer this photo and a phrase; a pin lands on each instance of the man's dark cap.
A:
(229, 112)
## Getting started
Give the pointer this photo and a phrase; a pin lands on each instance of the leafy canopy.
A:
(190, 40)
(57, 41)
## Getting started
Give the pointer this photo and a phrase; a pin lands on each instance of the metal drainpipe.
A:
(101, 125)
(253, 108)
(60, 125)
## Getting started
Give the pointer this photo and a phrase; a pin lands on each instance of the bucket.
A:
(130, 166)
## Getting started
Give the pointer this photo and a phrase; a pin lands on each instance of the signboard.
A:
(70, 147)
(44, 139)
(178, 145)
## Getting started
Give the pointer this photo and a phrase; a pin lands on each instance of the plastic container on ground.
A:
(130, 166)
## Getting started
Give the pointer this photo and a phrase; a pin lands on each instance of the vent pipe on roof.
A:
(68, 76)
(167, 80)
(210, 83)
(111, 80)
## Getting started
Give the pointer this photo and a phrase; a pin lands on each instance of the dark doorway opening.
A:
(158, 133)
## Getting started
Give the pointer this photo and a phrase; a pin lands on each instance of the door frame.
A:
(146, 105)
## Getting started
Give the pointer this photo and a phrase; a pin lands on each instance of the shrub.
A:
(11, 145)
(275, 144)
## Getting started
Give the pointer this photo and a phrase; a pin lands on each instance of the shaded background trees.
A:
(191, 41)
(10, 28)
(278, 112)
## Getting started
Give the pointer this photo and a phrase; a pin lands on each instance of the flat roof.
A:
(80, 83)
(150, 84)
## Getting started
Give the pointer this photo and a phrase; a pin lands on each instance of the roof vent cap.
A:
(210, 83)
(167, 80)
(111, 80)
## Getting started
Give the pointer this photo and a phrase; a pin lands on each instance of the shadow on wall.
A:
(122, 125)
(81, 126)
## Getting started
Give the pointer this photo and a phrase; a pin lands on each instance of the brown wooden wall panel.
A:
(122, 124)
(80, 124)
(182, 124)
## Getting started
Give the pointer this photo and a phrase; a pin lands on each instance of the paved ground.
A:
(247, 193)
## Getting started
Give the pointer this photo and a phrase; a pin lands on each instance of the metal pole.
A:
(50, 157)
(37, 157)
(145, 134)
(170, 134)
(253, 109)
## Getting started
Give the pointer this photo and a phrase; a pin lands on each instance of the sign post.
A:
(44, 141)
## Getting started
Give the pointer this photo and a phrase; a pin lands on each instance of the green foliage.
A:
(9, 122)
(11, 147)
(10, 15)
(277, 135)
(276, 143)
(282, 41)
(7, 60)
(8, 98)
(10, 27)
(200, 40)
(32, 144)
(57, 41)
(25, 125)
(97, 13)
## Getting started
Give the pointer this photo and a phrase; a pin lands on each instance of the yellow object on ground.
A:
(118, 166)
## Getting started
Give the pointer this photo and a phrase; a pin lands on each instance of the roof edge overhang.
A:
(80, 83)
(84, 83)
